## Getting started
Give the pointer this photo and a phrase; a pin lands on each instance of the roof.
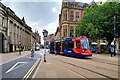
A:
(80, 4)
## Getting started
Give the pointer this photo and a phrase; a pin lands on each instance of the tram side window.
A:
(52, 46)
(63, 45)
(66, 45)
(57, 44)
(71, 44)
(78, 44)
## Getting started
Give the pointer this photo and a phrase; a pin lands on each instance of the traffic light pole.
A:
(44, 50)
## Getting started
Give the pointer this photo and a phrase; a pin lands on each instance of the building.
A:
(3, 28)
(71, 14)
(50, 37)
(37, 40)
(33, 41)
(14, 32)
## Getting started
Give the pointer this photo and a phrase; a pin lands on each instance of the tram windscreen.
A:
(85, 43)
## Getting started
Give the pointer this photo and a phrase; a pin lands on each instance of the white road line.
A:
(14, 59)
(14, 67)
(36, 70)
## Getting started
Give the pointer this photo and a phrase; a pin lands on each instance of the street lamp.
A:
(114, 35)
(45, 33)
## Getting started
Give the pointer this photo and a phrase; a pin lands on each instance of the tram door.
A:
(57, 47)
(61, 47)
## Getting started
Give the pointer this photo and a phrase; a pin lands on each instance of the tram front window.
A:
(85, 43)
(78, 44)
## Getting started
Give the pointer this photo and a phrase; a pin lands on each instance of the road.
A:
(98, 66)
(19, 67)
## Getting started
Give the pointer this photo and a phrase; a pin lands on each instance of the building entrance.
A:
(1, 42)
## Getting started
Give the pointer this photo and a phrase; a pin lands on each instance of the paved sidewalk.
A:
(50, 70)
(5, 57)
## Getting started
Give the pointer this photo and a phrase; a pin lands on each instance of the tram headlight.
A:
(83, 50)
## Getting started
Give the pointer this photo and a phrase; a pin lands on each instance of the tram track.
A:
(98, 73)
(104, 62)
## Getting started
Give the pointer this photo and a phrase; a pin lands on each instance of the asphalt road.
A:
(19, 67)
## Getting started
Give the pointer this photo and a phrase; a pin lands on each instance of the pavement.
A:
(50, 70)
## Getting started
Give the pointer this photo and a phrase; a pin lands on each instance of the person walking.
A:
(98, 50)
(112, 51)
(19, 50)
(32, 53)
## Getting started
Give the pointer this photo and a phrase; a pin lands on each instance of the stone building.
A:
(37, 40)
(71, 14)
(3, 28)
(16, 34)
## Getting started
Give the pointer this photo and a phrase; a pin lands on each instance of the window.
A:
(65, 31)
(78, 44)
(4, 24)
(57, 45)
(85, 43)
(65, 15)
(69, 44)
(71, 31)
(77, 16)
(66, 45)
(71, 15)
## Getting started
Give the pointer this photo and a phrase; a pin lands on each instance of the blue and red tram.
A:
(52, 47)
(77, 47)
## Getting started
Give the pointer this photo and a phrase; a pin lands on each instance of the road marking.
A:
(15, 66)
(31, 69)
(14, 59)
(36, 70)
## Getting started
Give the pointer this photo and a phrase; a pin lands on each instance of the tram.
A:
(52, 47)
(73, 46)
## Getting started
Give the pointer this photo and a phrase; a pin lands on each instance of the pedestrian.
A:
(98, 50)
(112, 51)
(19, 50)
(32, 53)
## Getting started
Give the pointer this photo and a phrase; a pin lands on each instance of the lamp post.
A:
(114, 35)
(45, 33)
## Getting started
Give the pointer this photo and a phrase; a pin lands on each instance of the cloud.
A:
(54, 9)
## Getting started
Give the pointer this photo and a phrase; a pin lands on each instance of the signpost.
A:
(45, 34)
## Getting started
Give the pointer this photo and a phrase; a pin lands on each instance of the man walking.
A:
(32, 53)
(19, 50)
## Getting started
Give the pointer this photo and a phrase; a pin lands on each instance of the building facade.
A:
(16, 34)
(71, 14)
(3, 28)
(37, 40)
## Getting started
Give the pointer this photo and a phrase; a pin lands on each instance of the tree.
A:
(98, 21)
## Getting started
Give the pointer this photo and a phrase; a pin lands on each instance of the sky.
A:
(39, 14)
